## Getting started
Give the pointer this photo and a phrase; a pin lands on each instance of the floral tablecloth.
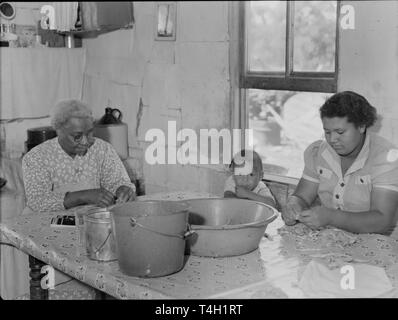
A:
(271, 271)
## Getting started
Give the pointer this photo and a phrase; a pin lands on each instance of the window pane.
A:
(284, 123)
(266, 34)
(314, 36)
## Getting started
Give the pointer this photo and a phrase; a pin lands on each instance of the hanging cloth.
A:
(89, 15)
(32, 81)
(65, 15)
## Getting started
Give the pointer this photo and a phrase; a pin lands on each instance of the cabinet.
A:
(92, 19)
(100, 17)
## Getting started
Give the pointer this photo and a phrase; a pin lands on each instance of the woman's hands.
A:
(292, 209)
(315, 218)
(296, 210)
(99, 197)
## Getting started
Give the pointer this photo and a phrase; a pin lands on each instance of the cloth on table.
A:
(70, 290)
(336, 248)
(368, 281)
(14, 274)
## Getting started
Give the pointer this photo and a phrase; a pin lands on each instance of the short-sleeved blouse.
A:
(376, 166)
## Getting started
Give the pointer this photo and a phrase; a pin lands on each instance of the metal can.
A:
(100, 239)
(69, 41)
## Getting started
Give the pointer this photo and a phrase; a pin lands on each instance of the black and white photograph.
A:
(204, 156)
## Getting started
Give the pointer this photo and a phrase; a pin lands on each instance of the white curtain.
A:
(34, 79)
(65, 15)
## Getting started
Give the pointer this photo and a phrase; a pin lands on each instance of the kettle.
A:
(111, 129)
(110, 117)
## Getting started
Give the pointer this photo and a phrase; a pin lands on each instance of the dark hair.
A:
(351, 105)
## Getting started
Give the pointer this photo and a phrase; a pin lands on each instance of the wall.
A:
(369, 60)
(26, 13)
(186, 81)
(189, 80)
(368, 64)
(13, 134)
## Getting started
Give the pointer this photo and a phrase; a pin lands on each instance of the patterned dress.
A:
(49, 172)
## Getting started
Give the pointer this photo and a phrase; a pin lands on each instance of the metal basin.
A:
(226, 227)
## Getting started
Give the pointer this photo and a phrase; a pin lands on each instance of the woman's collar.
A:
(59, 146)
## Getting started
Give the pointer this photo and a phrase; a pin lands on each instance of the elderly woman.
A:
(354, 172)
(74, 168)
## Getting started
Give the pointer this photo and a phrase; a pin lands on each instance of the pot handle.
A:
(190, 232)
(102, 245)
(134, 223)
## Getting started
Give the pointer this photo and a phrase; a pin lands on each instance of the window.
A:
(288, 69)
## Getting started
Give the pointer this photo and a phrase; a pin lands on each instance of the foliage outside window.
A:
(288, 70)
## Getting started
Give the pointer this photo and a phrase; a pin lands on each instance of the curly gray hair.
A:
(66, 109)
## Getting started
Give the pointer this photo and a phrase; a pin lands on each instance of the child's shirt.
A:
(261, 189)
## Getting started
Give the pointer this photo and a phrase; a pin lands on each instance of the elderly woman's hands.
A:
(315, 218)
(125, 194)
(100, 197)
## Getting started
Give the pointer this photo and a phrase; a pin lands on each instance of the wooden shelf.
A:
(93, 33)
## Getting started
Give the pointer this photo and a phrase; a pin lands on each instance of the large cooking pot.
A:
(150, 237)
(227, 227)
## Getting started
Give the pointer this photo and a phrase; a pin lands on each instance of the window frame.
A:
(289, 80)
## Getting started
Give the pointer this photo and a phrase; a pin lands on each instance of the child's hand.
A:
(241, 192)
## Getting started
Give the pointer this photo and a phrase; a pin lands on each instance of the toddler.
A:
(245, 182)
